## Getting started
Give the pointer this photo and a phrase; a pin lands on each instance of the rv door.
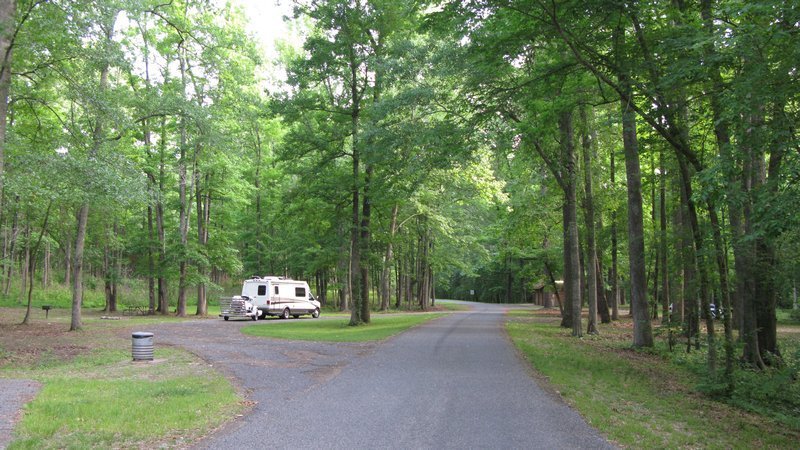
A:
(257, 292)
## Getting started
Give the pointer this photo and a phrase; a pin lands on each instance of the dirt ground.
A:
(50, 339)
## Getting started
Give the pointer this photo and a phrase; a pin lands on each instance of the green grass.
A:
(447, 306)
(338, 330)
(788, 316)
(103, 400)
(131, 292)
(637, 400)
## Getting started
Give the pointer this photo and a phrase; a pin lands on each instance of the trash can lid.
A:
(142, 334)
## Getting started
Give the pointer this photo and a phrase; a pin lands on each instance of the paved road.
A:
(455, 382)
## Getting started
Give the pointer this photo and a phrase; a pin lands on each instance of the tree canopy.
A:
(569, 153)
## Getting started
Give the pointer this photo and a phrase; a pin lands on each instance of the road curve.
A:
(455, 382)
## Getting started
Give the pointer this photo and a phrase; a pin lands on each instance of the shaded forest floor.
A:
(661, 398)
(48, 340)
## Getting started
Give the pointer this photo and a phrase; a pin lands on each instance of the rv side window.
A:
(300, 292)
(276, 290)
(262, 289)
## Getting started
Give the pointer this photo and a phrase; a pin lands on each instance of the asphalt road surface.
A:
(455, 382)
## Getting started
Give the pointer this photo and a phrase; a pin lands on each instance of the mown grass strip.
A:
(338, 330)
(638, 400)
(103, 400)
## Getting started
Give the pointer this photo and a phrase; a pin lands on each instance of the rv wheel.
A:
(315, 314)
(226, 317)
(255, 316)
(285, 314)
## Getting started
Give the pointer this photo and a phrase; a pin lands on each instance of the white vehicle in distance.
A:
(271, 296)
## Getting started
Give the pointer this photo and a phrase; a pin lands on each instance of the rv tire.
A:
(315, 314)
(226, 317)
(285, 314)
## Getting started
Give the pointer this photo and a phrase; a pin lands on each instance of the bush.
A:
(774, 392)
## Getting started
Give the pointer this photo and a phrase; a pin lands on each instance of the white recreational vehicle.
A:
(271, 296)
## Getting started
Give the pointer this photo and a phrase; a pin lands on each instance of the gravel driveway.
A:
(13, 396)
(455, 382)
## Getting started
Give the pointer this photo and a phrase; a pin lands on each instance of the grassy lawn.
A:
(638, 399)
(338, 330)
(94, 396)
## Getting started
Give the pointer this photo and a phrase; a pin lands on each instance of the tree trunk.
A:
(591, 263)
(152, 186)
(356, 285)
(163, 300)
(24, 266)
(183, 220)
(259, 241)
(151, 264)
(343, 273)
(107, 278)
(366, 213)
(699, 265)
(203, 203)
(387, 261)
(614, 272)
(32, 262)
(642, 330)
(602, 301)
(662, 198)
(8, 10)
(12, 251)
(572, 287)
(77, 269)
(83, 212)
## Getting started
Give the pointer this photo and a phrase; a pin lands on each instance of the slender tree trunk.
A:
(13, 247)
(591, 264)
(343, 272)
(77, 269)
(642, 330)
(199, 207)
(163, 300)
(107, 277)
(32, 262)
(366, 213)
(259, 244)
(152, 185)
(183, 223)
(602, 300)
(25, 262)
(8, 10)
(83, 212)
(356, 284)
(662, 195)
(117, 274)
(387, 262)
(699, 264)
(572, 287)
(614, 273)
(151, 264)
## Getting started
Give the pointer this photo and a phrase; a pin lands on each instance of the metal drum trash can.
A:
(142, 347)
